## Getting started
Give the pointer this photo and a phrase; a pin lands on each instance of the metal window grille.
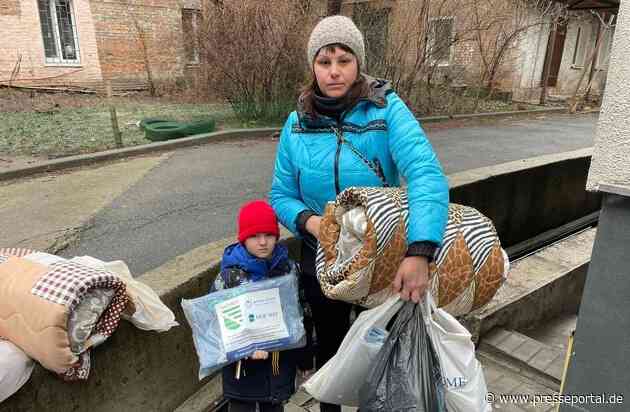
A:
(374, 23)
(440, 40)
(59, 31)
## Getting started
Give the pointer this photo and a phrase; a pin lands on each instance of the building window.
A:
(604, 50)
(191, 18)
(374, 23)
(59, 31)
(580, 48)
(440, 40)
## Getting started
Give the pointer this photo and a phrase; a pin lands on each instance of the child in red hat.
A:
(264, 379)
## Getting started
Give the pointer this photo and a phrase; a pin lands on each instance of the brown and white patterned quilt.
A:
(363, 241)
(56, 310)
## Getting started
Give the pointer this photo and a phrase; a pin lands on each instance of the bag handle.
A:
(428, 306)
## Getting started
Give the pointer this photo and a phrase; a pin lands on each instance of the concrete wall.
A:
(144, 371)
(530, 197)
(531, 56)
(21, 35)
(611, 157)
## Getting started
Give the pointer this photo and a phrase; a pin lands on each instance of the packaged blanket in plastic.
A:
(231, 324)
(363, 239)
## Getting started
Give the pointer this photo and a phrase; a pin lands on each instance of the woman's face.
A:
(335, 71)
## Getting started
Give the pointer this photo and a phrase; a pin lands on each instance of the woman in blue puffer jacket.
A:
(353, 130)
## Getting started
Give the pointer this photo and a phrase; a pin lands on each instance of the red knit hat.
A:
(257, 217)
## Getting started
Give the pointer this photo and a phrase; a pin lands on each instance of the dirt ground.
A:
(12, 162)
(23, 100)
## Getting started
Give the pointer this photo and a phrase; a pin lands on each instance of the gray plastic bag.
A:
(406, 373)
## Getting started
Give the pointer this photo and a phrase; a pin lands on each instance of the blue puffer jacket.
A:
(312, 166)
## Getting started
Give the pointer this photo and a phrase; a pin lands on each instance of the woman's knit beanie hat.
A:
(257, 217)
(336, 29)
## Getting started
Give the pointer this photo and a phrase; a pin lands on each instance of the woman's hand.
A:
(312, 225)
(412, 278)
(259, 355)
(305, 375)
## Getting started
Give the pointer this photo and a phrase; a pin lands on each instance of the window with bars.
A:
(191, 18)
(374, 23)
(440, 39)
(59, 31)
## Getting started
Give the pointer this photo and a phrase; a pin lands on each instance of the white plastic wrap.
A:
(150, 312)
(230, 324)
(15, 369)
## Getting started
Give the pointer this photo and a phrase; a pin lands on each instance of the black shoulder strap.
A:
(374, 166)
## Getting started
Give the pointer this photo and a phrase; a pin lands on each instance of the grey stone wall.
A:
(610, 168)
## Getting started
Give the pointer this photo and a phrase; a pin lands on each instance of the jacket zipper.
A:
(299, 186)
(339, 135)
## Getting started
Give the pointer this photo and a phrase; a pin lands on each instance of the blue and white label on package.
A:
(252, 320)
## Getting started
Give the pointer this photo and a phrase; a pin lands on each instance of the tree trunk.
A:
(547, 68)
(334, 7)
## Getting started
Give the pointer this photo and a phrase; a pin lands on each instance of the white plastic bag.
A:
(464, 382)
(340, 379)
(15, 369)
(151, 313)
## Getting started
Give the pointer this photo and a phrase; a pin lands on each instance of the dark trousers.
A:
(331, 318)
(240, 406)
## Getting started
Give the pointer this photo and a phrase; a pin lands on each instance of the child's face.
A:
(261, 245)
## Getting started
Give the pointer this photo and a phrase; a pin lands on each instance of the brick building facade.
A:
(83, 43)
(87, 42)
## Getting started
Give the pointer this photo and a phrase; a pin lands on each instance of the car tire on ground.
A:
(160, 130)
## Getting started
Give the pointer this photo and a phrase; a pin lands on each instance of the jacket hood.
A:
(374, 91)
(236, 255)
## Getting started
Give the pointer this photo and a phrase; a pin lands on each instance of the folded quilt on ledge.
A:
(56, 310)
(363, 240)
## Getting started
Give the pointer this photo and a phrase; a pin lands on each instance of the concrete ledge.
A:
(430, 119)
(208, 396)
(541, 360)
(143, 371)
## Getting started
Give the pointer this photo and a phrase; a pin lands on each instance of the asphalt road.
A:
(193, 197)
